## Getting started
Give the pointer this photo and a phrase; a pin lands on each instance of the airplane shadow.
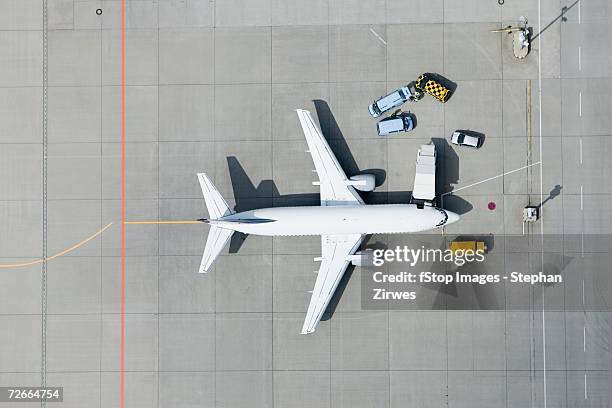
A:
(335, 299)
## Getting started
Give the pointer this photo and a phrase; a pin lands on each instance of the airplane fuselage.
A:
(341, 219)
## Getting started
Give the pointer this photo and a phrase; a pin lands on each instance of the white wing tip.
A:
(307, 328)
(202, 177)
(205, 266)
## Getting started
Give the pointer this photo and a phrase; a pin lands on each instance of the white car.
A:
(462, 138)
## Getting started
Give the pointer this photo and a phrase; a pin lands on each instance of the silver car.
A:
(462, 138)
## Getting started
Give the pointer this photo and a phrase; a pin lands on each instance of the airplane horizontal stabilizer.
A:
(217, 238)
(216, 204)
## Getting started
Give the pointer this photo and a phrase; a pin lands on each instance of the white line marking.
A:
(581, 201)
(378, 36)
(585, 388)
(579, 59)
(579, 3)
(541, 197)
(580, 103)
(491, 178)
(580, 150)
(584, 339)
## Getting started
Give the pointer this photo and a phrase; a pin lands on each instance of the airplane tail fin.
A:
(217, 236)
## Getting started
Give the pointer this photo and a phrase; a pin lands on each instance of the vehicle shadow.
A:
(447, 176)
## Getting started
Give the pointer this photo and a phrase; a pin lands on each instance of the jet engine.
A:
(363, 182)
(363, 258)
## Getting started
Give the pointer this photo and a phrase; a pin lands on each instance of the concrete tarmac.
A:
(211, 86)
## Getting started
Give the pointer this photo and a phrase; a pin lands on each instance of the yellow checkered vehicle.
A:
(426, 83)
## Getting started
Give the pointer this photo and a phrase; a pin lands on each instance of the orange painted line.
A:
(162, 222)
(122, 352)
(61, 253)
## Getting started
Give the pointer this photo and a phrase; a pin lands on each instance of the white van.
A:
(401, 122)
(393, 100)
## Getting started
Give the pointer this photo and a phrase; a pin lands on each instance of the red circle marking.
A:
(492, 205)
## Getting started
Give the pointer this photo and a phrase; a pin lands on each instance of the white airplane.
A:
(342, 220)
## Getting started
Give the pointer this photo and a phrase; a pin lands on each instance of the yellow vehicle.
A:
(427, 83)
(465, 245)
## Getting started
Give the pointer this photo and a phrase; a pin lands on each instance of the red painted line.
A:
(122, 360)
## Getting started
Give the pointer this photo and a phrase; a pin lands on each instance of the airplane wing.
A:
(335, 187)
(335, 253)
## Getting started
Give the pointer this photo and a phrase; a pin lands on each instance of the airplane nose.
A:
(452, 217)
